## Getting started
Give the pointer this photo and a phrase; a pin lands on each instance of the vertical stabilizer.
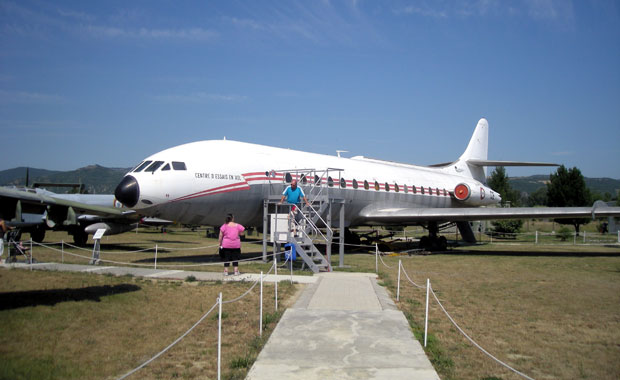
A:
(476, 150)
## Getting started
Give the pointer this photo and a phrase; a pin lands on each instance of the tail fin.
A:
(477, 150)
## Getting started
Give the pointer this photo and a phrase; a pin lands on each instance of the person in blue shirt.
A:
(293, 194)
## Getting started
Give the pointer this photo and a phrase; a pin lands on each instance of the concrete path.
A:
(345, 326)
(160, 273)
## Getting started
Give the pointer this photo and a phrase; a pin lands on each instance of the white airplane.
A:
(200, 182)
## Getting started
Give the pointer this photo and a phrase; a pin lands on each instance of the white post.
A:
(292, 265)
(584, 237)
(618, 236)
(62, 250)
(574, 237)
(260, 317)
(398, 286)
(536, 241)
(219, 339)
(155, 256)
(275, 265)
(428, 287)
(491, 237)
(31, 253)
(376, 258)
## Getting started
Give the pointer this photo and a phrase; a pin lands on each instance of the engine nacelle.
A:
(111, 228)
(475, 195)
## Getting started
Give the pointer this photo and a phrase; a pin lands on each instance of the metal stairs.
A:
(312, 226)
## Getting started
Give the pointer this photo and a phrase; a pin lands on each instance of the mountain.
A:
(97, 179)
(535, 182)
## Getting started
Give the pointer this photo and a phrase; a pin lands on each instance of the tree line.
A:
(565, 188)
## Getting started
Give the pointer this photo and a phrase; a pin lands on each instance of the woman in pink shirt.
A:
(230, 243)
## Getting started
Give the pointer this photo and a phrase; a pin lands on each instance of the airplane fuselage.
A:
(200, 182)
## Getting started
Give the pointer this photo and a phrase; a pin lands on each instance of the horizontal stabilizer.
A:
(508, 163)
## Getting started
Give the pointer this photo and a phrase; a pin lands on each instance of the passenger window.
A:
(317, 180)
(376, 185)
(142, 166)
(330, 182)
(422, 189)
(166, 167)
(430, 191)
(406, 189)
(176, 165)
(414, 189)
(343, 183)
(396, 187)
(437, 191)
(304, 179)
(154, 166)
(288, 178)
(387, 186)
(366, 185)
(355, 184)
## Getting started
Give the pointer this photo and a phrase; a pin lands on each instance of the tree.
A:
(567, 188)
(498, 181)
(538, 197)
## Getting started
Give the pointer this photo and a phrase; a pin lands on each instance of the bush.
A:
(564, 233)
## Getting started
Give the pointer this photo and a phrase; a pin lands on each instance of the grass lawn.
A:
(549, 314)
(59, 325)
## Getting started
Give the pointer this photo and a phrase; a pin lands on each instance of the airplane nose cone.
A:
(128, 191)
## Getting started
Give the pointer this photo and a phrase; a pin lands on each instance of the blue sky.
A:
(111, 82)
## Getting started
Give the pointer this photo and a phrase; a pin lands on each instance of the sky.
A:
(112, 82)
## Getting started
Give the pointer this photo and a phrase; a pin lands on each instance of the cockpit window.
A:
(142, 166)
(154, 166)
(176, 165)
(166, 167)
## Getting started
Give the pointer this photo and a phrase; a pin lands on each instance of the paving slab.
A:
(345, 326)
(172, 274)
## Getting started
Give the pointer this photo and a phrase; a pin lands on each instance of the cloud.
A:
(542, 10)
(23, 97)
(191, 34)
(80, 16)
(199, 98)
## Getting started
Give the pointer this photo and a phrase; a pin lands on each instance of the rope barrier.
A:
(411, 281)
(169, 346)
(476, 344)
(383, 262)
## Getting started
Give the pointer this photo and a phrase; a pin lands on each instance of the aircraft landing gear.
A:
(433, 242)
(79, 237)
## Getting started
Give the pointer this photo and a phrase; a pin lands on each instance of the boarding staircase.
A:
(312, 227)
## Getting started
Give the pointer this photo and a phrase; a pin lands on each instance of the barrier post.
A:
(428, 287)
(574, 237)
(618, 236)
(536, 240)
(275, 266)
(219, 338)
(398, 286)
(376, 258)
(584, 237)
(62, 251)
(292, 266)
(260, 316)
(155, 256)
(30, 253)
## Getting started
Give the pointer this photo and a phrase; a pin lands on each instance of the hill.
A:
(98, 179)
(535, 182)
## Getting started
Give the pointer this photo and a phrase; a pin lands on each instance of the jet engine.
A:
(475, 194)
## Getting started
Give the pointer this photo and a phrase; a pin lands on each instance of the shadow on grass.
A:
(591, 253)
(50, 297)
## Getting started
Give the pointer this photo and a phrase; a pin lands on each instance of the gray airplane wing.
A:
(416, 215)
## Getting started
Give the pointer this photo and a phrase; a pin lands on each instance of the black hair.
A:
(229, 218)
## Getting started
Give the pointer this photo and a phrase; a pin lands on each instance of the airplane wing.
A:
(35, 202)
(414, 215)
